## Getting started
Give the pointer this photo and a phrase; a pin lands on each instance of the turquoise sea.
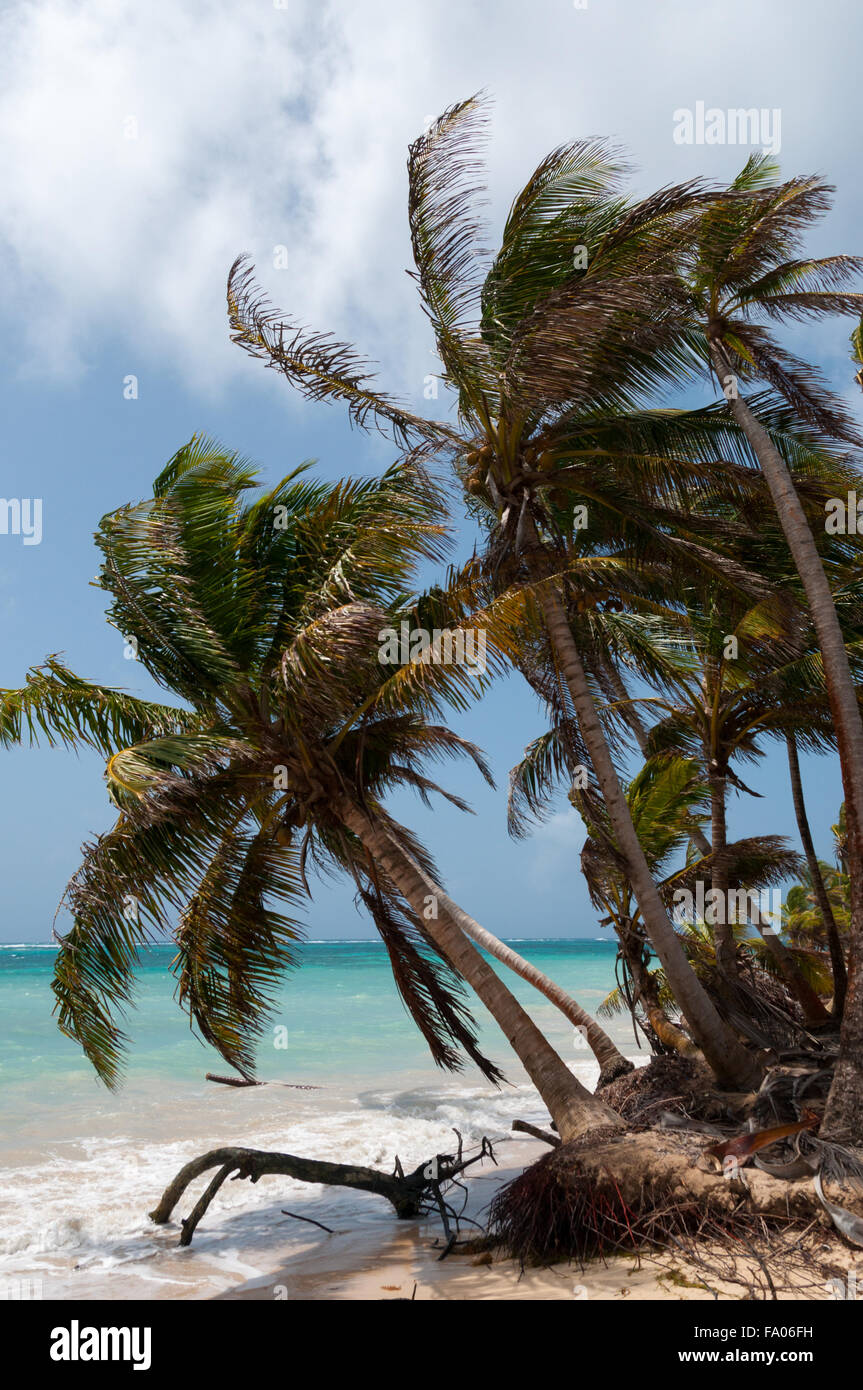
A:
(80, 1166)
(341, 1010)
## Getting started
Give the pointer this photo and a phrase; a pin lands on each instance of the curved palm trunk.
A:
(571, 1106)
(729, 1060)
(844, 1114)
(837, 957)
(612, 1062)
(647, 995)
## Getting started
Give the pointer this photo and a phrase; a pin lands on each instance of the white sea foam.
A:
(76, 1219)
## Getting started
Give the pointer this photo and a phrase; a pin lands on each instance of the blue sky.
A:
(143, 147)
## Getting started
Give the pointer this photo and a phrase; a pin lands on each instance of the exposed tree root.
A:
(635, 1191)
(671, 1083)
(613, 1070)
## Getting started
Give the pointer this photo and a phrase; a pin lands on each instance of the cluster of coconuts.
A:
(478, 461)
(291, 821)
(535, 457)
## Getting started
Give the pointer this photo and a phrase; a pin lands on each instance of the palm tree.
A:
(712, 708)
(539, 420)
(744, 265)
(668, 798)
(766, 1018)
(753, 676)
(265, 617)
(802, 917)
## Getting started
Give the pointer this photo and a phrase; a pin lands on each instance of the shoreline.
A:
(377, 1264)
(402, 1261)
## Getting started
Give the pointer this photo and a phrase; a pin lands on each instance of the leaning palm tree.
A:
(552, 363)
(743, 266)
(264, 615)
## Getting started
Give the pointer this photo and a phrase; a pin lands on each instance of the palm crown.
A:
(262, 611)
(743, 269)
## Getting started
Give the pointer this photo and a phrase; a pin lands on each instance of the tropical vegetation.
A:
(647, 468)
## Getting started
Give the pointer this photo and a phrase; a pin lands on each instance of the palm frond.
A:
(444, 183)
(60, 707)
(317, 364)
(430, 988)
(232, 950)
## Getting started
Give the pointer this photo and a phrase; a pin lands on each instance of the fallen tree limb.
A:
(410, 1194)
(523, 1127)
(310, 1219)
(247, 1081)
(403, 1193)
(232, 1080)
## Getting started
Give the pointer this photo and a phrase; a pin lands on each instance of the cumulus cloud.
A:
(145, 145)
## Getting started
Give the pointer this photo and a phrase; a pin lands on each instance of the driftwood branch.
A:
(248, 1081)
(408, 1193)
(523, 1127)
(310, 1219)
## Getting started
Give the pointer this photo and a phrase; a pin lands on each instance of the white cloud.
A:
(259, 126)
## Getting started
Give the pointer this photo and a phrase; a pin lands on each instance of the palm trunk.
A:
(843, 1118)
(627, 708)
(647, 996)
(837, 957)
(730, 1061)
(571, 1106)
(723, 935)
(844, 1113)
(612, 1062)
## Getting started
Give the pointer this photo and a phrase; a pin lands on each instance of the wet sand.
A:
(403, 1261)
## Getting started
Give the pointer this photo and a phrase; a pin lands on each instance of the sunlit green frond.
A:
(60, 707)
(555, 226)
(144, 766)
